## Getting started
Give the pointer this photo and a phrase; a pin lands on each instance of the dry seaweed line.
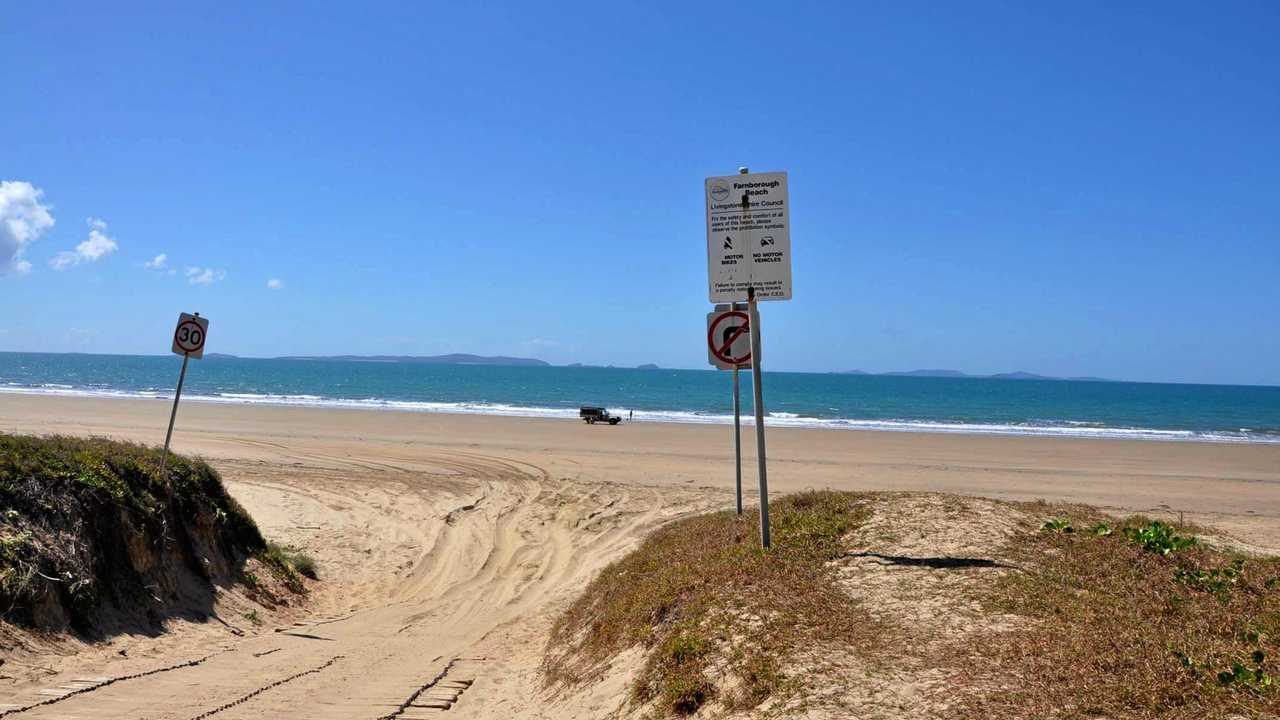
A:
(104, 683)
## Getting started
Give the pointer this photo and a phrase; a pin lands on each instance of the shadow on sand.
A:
(934, 563)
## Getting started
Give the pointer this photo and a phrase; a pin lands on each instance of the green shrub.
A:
(289, 563)
(1158, 537)
(1058, 525)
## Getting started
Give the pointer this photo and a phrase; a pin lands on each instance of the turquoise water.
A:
(1041, 407)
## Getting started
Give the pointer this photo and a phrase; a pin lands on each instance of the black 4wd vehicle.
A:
(593, 415)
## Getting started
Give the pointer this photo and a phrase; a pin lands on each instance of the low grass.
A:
(718, 617)
(40, 475)
(1090, 617)
(1130, 619)
(289, 564)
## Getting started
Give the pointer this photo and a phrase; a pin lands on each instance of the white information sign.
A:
(748, 237)
(189, 336)
(728, 338)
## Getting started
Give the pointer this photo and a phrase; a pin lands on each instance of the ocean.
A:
(1151, 411)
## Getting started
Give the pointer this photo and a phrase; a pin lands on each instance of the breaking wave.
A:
(1077, 429)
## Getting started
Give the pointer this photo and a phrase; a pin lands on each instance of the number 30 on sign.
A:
(189, 336)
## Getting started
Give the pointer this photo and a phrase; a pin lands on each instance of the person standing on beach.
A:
(631, 415)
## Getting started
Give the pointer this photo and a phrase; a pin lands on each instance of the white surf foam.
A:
(775, 419)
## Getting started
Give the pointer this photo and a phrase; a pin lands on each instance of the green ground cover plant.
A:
(700, 594)
(1144, 622)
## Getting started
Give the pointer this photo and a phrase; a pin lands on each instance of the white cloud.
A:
(275, 284)
(63, 260)
(98, 246)
(204, 276)
(23, 219)
(157, 263)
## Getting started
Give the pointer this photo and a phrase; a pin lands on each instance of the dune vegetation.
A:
(720, 618)
(929, 605)
(94, 539)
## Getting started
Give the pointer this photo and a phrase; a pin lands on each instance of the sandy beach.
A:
(448, 543)
(1233, 487)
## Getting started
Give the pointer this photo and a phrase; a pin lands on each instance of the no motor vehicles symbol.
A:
(728, 338)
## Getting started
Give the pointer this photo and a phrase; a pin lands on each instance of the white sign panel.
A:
(729, 338)
(189, 336)
(748, 237)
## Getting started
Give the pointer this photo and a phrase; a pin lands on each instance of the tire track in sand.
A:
(483, 579)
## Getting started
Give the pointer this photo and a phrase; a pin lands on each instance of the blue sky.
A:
(1079, 189)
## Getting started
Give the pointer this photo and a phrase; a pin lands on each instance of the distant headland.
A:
(450, 359)
(469, 359)
(510, 361)
(1016, 375)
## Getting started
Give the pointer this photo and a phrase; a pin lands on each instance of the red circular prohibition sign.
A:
(191, 344)
(721, 350)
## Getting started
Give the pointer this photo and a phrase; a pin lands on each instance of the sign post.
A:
(729, 348)
(188, 341)
(748, 258)
(758, 401)
(737, 436)
(737, 441)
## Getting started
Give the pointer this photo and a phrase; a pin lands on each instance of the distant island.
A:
(468, 359)
(928, 373)
(451, 359)
(1016, 375)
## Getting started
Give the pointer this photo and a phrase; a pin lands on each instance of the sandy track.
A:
(443, 574)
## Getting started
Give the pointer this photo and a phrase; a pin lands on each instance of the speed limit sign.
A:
(188, 337)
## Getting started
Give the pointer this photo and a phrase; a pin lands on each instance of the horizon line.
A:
(916, 373)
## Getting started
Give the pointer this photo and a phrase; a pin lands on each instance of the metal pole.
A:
(737, 434)
(758, 389)
(164, 460)
(753, 318)
(737, 395)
